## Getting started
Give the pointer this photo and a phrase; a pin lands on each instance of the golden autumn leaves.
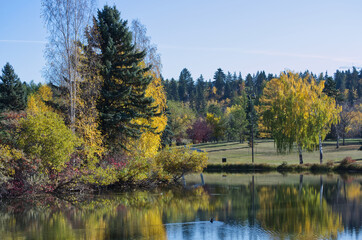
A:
(294, 109)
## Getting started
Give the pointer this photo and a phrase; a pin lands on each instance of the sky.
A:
(204, 35)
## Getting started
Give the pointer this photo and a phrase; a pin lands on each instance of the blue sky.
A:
(203, 35)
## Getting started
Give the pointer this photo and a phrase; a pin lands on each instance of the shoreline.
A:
(283, 168)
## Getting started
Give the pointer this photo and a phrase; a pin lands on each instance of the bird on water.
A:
(212, 220)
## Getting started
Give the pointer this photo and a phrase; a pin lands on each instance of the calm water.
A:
(243, 206)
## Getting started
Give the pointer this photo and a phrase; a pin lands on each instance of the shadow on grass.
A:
(227, 149)
(215, 145)
(224, 144)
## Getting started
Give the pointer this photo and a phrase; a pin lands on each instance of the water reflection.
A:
(243, 206)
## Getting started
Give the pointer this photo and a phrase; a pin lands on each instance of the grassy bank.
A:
(265, 152)
(264, 167)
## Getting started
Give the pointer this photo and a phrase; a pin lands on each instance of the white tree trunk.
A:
(320, 149)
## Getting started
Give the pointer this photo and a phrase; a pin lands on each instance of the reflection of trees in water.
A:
(288, 211)
(297, 215)
(345, 199)
(136, 215)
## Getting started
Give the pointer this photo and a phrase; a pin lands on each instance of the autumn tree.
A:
(65, 21)
(181, 118)
(217, 125)
(349, 116)
(44, 134)
(322, 114)
(295, 110)
(87, 119)
(149, 143)
(200, 131)
(236, 122)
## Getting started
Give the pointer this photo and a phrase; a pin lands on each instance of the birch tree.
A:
(65, 21)
(296, 111)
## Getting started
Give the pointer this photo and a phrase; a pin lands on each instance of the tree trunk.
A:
(337, 140)
(300, 154)
(343, 136)
(320, 149)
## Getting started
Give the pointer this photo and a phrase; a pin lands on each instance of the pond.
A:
(242, 206)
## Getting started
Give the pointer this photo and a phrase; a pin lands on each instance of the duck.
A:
(212, 220)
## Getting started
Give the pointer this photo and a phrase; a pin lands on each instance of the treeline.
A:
(99, 120)
(228, 86)
(224, 108)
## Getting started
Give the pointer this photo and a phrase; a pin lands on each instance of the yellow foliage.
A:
(296, 110)
(36, 101)
(87, 118)
(148, 144)
(8, 154)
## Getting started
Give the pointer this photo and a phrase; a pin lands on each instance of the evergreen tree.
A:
(200, 101)
(340, 79)
(330, 88)
(219, 82)
(166, 138)
(270, 77)
(184, 82)
(172, 94)
(249, 84)
(191, 93)
(228, 92)
(122, 97)
(260, 82)
(12, 92)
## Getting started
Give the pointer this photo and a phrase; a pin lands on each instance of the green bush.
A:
(45, 136)
(180, 161)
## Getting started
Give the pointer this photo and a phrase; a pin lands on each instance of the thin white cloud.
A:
(267, 53)
(23, 41)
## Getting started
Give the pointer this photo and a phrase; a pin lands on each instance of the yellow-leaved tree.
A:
(322, 114)
(147, 146)
(92, 151)
(295, 110)
(44, 134)
(144, 149)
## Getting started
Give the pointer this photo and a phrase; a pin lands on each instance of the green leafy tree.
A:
(12, 92)
(181, 118)
(236, 122)
(122, 96)
(45, 136)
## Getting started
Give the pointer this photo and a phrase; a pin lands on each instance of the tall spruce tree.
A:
(200, 104)
(219, 83)
(249, 84)
(184, 83)
(172, 94)
(12, 92)
(122, 96)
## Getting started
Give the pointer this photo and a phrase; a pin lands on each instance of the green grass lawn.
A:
(265, 152)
